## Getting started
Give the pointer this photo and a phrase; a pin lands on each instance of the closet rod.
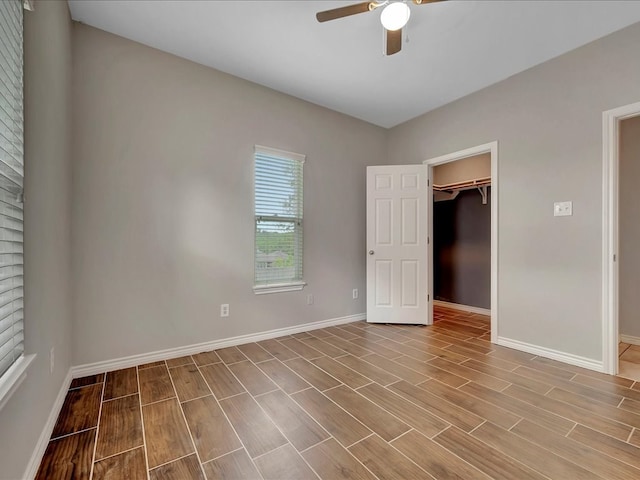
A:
(478, 182)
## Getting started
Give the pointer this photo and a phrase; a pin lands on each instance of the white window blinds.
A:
(11, 185)
(278, 218)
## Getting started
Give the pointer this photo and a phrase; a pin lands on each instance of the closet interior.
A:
(462, 232)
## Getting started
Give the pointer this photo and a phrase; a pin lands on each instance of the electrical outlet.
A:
(355, 293)
(224, 310)
(51, 359)
(310, 299)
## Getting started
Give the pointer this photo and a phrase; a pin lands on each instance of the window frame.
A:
(14, 375)
(298, 221)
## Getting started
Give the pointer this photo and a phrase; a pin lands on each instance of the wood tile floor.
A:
(358, 401)
(629, 361)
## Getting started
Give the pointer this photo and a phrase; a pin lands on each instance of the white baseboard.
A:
(133, 360)
(43, 441)
(464, 308)
(569, 358)
(629, 339)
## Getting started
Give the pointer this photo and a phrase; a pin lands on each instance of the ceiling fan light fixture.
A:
(395, 16)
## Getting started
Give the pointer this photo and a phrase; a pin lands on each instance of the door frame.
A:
(610, 231)
(492, 148)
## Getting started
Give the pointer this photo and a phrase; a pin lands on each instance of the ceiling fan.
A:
(395, 15)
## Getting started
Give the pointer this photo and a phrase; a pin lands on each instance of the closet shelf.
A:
(466, 185)
(450, 191)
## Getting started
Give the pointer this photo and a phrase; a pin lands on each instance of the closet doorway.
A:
(474, 173)
(628, 241)
(621, 268)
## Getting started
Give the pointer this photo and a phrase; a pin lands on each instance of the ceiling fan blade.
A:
(394, 41)
(345, 11)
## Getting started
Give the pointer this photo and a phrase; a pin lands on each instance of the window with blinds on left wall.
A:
(278, 214)
(13, 362)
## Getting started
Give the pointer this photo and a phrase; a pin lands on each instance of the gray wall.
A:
(47, 231)
(548, 122)
(163, 201)
(629, 211)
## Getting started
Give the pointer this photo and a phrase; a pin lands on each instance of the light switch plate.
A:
(562, 209)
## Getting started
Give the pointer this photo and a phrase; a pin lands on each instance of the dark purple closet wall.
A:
(462, 250)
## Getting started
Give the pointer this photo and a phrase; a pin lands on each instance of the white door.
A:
(397, 270)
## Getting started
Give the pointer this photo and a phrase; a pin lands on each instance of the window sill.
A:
(278, 288)
(13, 377)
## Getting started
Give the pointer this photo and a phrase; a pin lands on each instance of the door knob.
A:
(371, 252)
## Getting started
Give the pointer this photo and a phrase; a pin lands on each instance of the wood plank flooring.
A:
(357, 401)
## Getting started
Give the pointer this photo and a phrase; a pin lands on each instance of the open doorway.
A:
(621, 264)
(462, 234)
(470, 160)
(629, 239)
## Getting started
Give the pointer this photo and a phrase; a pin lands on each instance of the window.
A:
(278, 220)
(11, 184)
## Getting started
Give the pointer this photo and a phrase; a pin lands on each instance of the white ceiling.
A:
(455, 47)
